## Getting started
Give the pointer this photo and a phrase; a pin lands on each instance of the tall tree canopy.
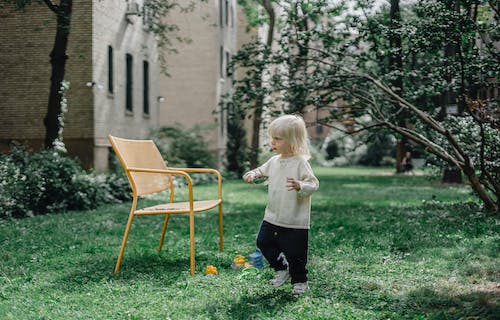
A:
(425, 70)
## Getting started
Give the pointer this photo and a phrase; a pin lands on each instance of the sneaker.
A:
(280, 278)
(299, 288)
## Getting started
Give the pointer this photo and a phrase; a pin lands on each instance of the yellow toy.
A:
(238, 262)
(211, 270)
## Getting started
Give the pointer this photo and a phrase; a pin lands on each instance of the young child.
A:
(283, 235)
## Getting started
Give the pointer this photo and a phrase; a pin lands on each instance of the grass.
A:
(381, 247)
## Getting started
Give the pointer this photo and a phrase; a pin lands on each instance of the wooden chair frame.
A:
(188, 207)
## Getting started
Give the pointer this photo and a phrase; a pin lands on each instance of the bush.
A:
(34, 184)
(380, 148)
(342, 149)
(183, 148)
(364, 148)
(236, 147)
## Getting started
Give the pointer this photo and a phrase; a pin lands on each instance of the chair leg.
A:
(165, 224)
(221, 229)
(191, 242)
(125, 236)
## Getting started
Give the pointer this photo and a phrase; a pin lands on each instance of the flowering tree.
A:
(448, 56)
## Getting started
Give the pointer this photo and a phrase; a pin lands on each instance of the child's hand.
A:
(249, 177)
(292, 184)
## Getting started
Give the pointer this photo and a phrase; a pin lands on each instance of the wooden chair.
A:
(148, 174)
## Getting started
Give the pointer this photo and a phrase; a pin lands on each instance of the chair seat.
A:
(178, 207)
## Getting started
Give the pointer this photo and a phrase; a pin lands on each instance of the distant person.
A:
(284, 232)
(407, 163)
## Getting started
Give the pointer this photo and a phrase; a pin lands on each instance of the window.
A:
(145, 87)
(129, 83)
(226, 11)
(221, 14)
(231, 16)
(222, 118)
(319, 129)
(221, 62)
(110, 69)
(228, 67)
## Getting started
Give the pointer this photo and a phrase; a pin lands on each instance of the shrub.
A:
(365, 148)
(348, 149)
(380, 148)
(181, 147)
(33, 184)
(236, 147)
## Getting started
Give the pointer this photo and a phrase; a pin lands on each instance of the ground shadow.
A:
(98, 268)
(253, 305)
(481, 304)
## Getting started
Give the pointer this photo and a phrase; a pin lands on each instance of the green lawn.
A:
(381, 247)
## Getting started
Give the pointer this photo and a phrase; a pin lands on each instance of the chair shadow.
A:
(96, 269)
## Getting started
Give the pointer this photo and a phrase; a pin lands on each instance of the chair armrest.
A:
(199, 170)
(205, 170)
(163, 171)
(148, 170)
(174, 172)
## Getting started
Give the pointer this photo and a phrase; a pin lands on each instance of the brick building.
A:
(110, 46)
(111, 67)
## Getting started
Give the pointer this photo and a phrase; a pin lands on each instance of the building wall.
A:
(198, 72)
(126, 34)
(26, 40)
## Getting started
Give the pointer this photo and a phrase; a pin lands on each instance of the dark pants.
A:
(274, 240)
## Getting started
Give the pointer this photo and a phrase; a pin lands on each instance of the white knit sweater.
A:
(291, 209)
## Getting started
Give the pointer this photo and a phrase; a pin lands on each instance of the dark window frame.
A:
(221, 62)
(145, 87)
(110, 70)
(226, 11)
(228, 61)
(129, 82)
(221, 13)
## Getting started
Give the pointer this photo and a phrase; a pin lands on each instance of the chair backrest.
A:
(141, 154)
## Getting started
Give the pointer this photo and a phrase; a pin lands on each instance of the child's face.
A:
(280, 146)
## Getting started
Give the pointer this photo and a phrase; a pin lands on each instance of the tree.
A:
(468, 140)
(345, 62)
(236, 151)
(396, 68)
(256, 55)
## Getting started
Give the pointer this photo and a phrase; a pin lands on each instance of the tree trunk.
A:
(58, 59)
(396, 65)
(400, 153)
(259, 105)
(489, 204)
(254, 152)
(451, 174)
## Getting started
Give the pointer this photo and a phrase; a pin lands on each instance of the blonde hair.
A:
(292, 129)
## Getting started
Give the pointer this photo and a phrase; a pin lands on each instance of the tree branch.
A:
(494, 7)
(51, 5)
(431, 146)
